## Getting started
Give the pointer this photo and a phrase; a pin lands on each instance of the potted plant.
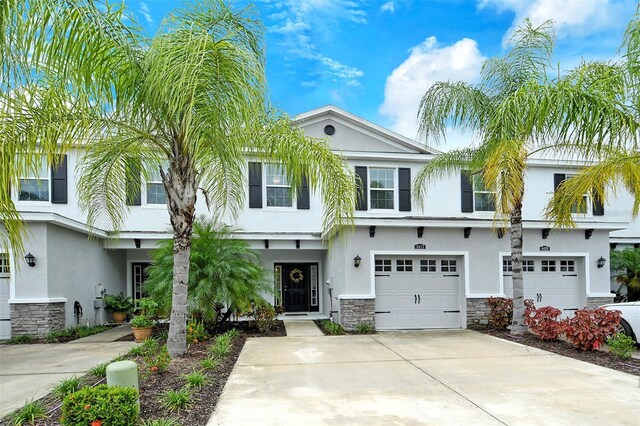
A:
(142, 324)
(119, 304)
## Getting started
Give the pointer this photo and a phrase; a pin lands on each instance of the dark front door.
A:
(296, 287)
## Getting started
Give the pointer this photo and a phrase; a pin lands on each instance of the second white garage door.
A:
(548, 282)
(417, 292)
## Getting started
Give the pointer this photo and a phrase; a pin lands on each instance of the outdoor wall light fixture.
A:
(601, 262)
(467, 232)
(372, 231)
(588, 233)
(136, 241)
(356, 261)
(500, 233)
(545, 233)
(420, 231)
(31, 259)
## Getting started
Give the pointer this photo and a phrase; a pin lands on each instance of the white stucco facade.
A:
(72, 259)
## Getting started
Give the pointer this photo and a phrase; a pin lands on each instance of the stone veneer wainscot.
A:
(36, 319)
(357, 311)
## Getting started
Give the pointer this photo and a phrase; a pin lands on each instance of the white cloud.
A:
(387, 7)
(427, 63)
(144, 11)
(571, 17)
(304, 25)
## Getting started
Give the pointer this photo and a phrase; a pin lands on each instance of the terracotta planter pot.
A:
(119, 317)
(142, 333)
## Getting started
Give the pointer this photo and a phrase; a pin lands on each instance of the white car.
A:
(630, 317)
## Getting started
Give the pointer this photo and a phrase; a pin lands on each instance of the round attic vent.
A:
(329, 130)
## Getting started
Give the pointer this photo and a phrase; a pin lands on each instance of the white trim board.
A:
(37, 300)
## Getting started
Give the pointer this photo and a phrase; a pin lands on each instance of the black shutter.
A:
(134, 182)
(59, 183)
(404, 187)
(303, 195)
(598, 206)
(255, 185)
(361, 188)
(466, 193)
(558, 178)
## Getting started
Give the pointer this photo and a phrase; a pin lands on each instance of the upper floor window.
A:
(34, 184)
(382, 188)
(580, 208)
(278, 188)
(483, 198)
(589, 206)
(155, 189)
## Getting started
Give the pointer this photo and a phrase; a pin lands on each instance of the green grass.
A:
(21, 340)
(136, 351)
(73, 333)
(99, 370)
(67, 386)
(195, 379)
(208, 363)
(173, 400)
(29, 413)
(232, 333)
(364, 328)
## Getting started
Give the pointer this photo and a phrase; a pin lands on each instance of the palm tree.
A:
(188, 104)
(510, 112)
(625, 264)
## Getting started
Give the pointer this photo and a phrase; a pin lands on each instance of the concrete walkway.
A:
(439, 377)
(30, 371)
(301, 328)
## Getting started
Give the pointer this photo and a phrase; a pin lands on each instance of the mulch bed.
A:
(604, 359)
(154, 385)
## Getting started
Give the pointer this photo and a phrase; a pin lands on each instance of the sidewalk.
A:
(28, 372)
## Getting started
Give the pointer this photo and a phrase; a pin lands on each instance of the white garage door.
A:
(5, 316)
(417, 292)
(548, 282)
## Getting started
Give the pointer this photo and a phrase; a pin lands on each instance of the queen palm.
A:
(188, 104)
(511, 113)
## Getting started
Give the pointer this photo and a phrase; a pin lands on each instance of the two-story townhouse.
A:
(402, 267)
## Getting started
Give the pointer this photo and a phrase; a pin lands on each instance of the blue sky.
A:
(376, 58)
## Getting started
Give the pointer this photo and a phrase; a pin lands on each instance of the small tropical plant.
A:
(21, 340)
(500, 312)
(625, 266)
(136, 351)
(196, 332)
(175, 400)
(141, 321)
(67, 386)
(221, 347)
(265, 316)
(160, 422)
(31, 412)
(195, 379)
(544, 323)
(331, 328)
(158, 363)
(225, 275)
(589, 328)
(621, 345)
(118, 303)
(111, 405)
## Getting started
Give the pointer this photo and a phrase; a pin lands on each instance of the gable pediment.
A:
(354, 134)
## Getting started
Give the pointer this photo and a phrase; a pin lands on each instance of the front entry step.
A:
(297, 328)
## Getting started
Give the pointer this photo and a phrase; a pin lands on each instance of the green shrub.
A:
(173, 400)
(113, 406)
(195, 379)
(149, 347)
(159, 362)
(99, 370)
(621, 345)
(265, 317)
(196, 331)
(118, 303)
(209, 363)
(232, 333)
(141, 321)
(364, 328)
(67, 386)
(31, 412)
(331, 328)
(21, 340)
(136, 351)
(225, 275)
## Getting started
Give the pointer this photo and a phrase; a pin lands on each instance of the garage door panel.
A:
(398, 294)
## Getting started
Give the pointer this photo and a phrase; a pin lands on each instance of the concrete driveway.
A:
(408, 378)
(30, 371)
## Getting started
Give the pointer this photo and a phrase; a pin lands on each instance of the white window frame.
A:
(265, 186)
(448, 265)
(31, 176)
(404, 265)
(146, 182)
(383, 265)
(428, 265)
(588, 204)
(474, 179)
(394, 190)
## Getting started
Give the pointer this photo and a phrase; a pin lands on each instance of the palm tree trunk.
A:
(517, 325)
(180, 185)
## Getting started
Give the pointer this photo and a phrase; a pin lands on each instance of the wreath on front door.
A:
(296, 275)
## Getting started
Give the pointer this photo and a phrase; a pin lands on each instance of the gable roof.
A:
(340, 114)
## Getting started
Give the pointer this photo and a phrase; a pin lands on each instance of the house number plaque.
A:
(420, 247)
